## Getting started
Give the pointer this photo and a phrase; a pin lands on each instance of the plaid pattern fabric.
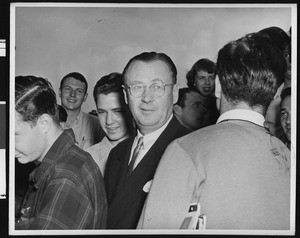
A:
(66, 190)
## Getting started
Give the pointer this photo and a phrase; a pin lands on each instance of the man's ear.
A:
(125, 96)
(177, 110)
(44, 123)
(59, 92)
(85, 97)
(175, 93)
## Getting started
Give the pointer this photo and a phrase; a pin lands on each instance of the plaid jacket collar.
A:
(57, 150)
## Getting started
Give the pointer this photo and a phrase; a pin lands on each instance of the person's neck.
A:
(72, 114)
(52, 135)
(115, 142)
(226, 106)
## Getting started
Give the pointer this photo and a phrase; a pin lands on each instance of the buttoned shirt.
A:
(148, 141)
(100, 152)
(87, 130)
(66, 190)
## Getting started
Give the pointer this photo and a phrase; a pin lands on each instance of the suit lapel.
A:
(130, 189)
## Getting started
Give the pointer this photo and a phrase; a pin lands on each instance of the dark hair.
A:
(62, 114)
(278, 36)
(250, 69)
(34, 96)
(182, 95)
(202, 64)
(150, 57)
(107, 84)
(77, 76)
(285, 92)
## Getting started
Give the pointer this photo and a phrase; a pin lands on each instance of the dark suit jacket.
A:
(125, 195)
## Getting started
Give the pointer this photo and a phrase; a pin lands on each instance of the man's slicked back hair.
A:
(34, 96)
(149, 57)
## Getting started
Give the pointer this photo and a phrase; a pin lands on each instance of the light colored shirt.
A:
(87, 130)
(100, 152)
(243, 114)
(149, 140)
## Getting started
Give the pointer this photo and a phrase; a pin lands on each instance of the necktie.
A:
(135, 154)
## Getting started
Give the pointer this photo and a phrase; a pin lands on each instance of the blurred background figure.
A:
(114, 116)
(190, 110)
(202, 77)
(282, 41)
(285, 115)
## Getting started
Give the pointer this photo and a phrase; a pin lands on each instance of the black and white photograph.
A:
(151, 119)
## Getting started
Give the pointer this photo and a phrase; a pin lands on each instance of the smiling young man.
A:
(114, 116)
(150, 91)
(66, 188)
(86, 127)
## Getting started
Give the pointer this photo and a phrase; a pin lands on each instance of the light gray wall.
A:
(53, 41)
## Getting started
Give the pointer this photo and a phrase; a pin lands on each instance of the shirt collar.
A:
(151, 137)
(243, 114)
(57, 150)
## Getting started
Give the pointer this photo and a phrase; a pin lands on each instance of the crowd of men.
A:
(157, 155)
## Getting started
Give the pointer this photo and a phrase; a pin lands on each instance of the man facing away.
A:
(66, 188)
(86, 127)
(114, 116)
(150, 91)
(235, 172)
(190, 110)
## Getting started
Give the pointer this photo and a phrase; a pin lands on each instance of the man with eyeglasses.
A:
(150, 91)
(86, 127)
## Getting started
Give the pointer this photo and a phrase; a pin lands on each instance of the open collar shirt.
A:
(66, 190)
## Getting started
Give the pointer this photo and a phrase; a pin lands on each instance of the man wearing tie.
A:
(150, 91)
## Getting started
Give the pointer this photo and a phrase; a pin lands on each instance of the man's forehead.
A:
(111, 100)
(70, 81)
(152, 71)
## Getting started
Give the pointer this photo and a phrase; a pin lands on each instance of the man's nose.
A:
(147, 95)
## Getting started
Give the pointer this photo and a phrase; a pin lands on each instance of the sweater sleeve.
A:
(173, 189)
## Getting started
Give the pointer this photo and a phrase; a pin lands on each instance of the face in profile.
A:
(205, 82)
(29, 140)
(73, 93)
(114, 116)
(150, 111)
(194, 115)
(285, 116)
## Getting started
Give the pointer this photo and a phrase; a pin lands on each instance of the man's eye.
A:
(100, 111)
(137, 87)
(156, 86)
(283, 114)
(79, 91)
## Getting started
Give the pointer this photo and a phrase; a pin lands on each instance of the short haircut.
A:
(250, 70)
(149, 57)
(182, 95)
(108, 84)
(278, 36)
(77, 76)
(202, 64)
(34, 96)
(285, 92)
(62, 114)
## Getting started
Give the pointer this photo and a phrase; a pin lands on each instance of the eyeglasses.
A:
(137, 90)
